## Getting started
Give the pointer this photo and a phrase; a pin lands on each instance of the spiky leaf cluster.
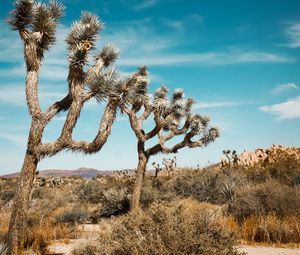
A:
(21, 17)
(46, 20)
(133, 91)
(160, 101)
(109, 54)
(82, 38)
(35, 17)
(210, 135)
(104, 84)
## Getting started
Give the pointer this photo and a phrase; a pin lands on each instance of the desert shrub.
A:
(3, 249)
(114, 202)
(264, 199)
(210, 185)
(271, 229)
(40, 193)
(204, 186)
(7, 195)
(90, 191)
(40, 236)
(73, 216)
(113, 195)
(284, 170)
(182, 227)
(4, 222)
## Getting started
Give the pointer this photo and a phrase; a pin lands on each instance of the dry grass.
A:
(271, 229)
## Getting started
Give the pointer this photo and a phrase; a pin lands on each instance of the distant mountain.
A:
(87, 173)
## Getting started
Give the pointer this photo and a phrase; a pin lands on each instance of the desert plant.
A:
(3, 249)
(36, 24)
(115, 202)
(168, 116)
(271, 229)
(181, 227)
(263, 199)
(231, 158)
(170, 165)
(73, 216)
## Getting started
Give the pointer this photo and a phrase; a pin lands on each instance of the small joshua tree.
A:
(172, 117)
(231, 158)
(36, 24)
(170, 165)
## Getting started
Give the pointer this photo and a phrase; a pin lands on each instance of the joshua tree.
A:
(232, 158)
(36, 24)
(172, 117)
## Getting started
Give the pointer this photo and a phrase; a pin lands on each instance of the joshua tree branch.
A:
(66, 142)
(57, 107)
(135, 125)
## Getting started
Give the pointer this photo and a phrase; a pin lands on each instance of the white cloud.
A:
(141, 42)
(293, 34)
(286, 110)
(139, 5)
(16, 139)
(284, 87)
(180, 24)
(216, 104)
(15, 95)
(208, 59)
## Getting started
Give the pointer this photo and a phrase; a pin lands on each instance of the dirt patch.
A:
(263, 250)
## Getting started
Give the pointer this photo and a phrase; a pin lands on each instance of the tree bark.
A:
(140, 173)
(18, 221)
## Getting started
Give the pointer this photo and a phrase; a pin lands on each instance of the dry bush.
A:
(40, 236)
(182, 227)
(4, 222)
(114, 196)
(271, 229)
(115, 202)
(266, 198)
(285, 170)
(3, 249)
(72, 217)
(209, 185)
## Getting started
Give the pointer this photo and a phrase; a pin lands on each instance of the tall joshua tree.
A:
(36, 24)
(172, 118)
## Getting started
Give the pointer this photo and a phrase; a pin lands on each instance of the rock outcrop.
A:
(263, 157)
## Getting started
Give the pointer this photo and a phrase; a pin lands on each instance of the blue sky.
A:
(239, 59)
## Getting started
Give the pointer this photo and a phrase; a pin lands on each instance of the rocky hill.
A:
(262, 157)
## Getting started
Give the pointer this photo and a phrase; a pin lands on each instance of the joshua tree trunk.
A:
(171, 117)
(37, 25)
(140, 173)
(18, 223)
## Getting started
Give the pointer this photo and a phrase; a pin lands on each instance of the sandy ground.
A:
(263, 250)
(62, 248)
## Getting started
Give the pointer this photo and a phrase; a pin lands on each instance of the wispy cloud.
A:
(209, 59)
(286, 110)
(48, 72)
(284, 87)
(293, 34)
(16, 139)
(139, 5)
(217, 104)
(15, 95)
(180, 24)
